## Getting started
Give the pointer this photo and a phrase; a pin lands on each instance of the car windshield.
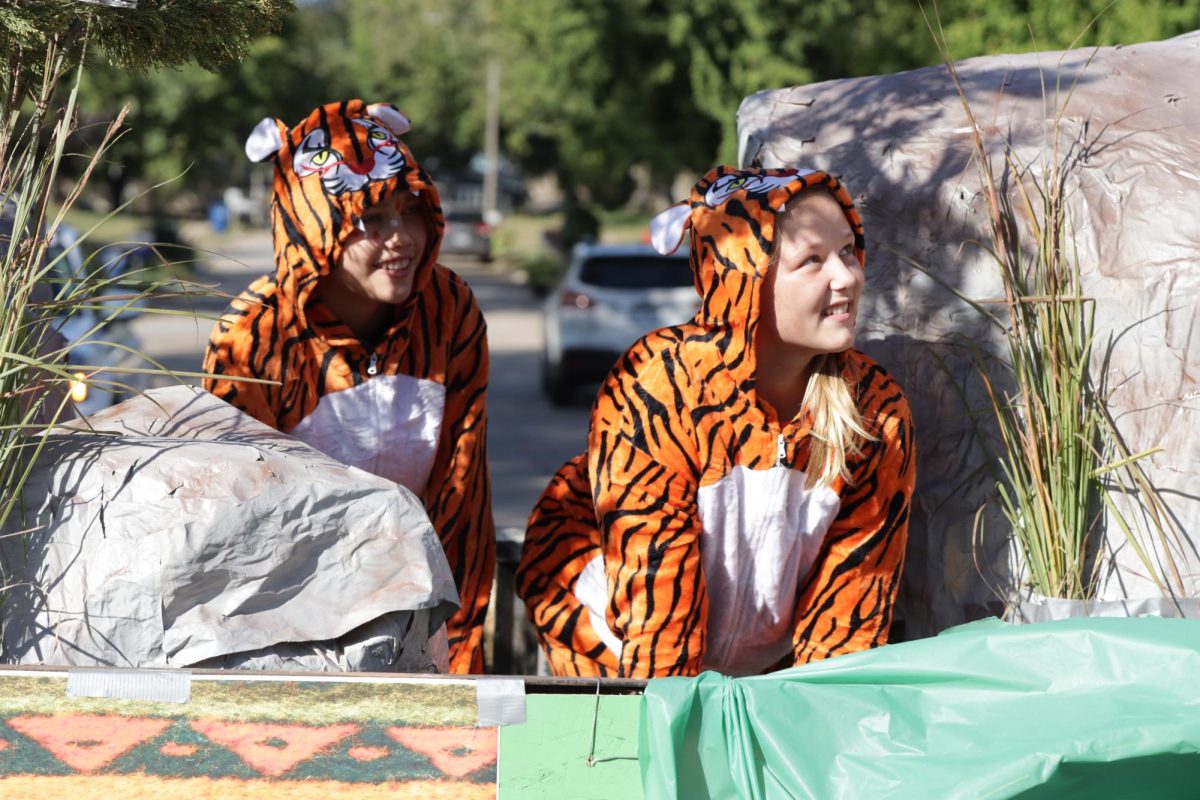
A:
(636, 272)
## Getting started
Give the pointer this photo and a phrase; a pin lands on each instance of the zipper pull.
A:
(782, 459)
(371, 368)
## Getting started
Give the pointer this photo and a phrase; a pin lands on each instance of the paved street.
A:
(528, 438)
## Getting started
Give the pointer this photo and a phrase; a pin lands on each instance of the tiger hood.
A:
(341, 159)
(731, 215)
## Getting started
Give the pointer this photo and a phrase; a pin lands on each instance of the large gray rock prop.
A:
(183, 532)
(902, 143)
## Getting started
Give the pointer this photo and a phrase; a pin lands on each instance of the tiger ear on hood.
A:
(667, 229)
(266, 139)
(390, 117)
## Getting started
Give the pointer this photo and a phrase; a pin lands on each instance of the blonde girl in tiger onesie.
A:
(743, 502)
(378, 354)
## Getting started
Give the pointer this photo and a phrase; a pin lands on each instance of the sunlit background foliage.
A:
(590, 89)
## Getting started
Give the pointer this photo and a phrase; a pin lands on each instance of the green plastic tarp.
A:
(1080, 708)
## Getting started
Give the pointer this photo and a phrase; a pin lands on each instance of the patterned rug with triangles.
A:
(247, 738)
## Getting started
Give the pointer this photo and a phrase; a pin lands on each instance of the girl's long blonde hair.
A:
(838, 430)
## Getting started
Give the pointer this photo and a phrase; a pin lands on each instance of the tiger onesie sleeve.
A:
(559, 552)
(644, 473)
(230, 358)
(689, 537)
(411, 406)
(858, 569)
(460, 474)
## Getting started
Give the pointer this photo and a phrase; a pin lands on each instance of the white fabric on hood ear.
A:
(390, 117)
(666, 229)
(265, 140)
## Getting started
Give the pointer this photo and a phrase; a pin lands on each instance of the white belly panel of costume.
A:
(388, 425)
(762, 532)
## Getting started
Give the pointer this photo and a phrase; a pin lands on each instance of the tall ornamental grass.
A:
(43, 46)
(1064, 471)
(37, 382)
(41, 283)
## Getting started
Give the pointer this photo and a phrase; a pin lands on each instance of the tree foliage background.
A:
(593, 91)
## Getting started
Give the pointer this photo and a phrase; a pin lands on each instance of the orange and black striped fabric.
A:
(685, 538)
(411, 407)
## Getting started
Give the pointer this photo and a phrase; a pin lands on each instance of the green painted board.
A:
(546, 757)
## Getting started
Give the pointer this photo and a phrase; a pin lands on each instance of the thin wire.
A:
(591, 759)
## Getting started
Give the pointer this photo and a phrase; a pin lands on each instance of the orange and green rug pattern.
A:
(249, 739)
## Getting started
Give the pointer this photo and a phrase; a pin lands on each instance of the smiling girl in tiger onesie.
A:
(743, 503)
(379, 353)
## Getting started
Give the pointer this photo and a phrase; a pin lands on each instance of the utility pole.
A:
(491, 142)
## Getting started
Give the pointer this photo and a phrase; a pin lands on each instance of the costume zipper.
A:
(371, 368)
(781, 461)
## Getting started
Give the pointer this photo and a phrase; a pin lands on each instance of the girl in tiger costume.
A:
(378, 354)
(743, 503)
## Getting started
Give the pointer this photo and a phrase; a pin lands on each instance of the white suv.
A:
(609, 297)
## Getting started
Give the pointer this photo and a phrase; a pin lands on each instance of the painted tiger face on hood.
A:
(342, 159)
(350, 165)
